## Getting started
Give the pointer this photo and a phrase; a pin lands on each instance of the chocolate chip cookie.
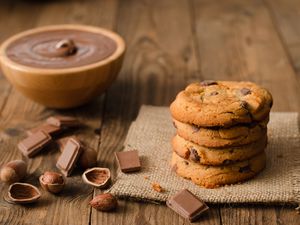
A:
(216, 156)
(222, 137)
(221, 103)
(215, 176)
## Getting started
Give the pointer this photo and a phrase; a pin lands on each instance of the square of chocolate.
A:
(47, 128)
(129, 161)
(187, 205)
(63, 121)
(34, 143)
(63, 141)
(69, 156)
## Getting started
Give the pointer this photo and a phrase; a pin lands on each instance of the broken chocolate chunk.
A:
(245, 91)
(245, 169)
(214, 93)
(208, 82)
(129, 161)
(194, 155)
(244, 104)
(187, 205)
(63, 121)
(31, 145)
(69, 156)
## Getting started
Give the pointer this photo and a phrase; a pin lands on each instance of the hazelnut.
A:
(13, 171)
(52, 182)
(88, 158)
(104, 202)
(23, 193)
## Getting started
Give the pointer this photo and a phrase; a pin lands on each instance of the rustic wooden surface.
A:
(170, 43)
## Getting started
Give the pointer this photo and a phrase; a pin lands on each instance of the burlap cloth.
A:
(151, 133)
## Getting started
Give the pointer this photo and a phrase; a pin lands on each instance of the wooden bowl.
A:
(66, 87)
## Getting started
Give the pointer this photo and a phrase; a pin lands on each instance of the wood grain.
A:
(240, 42)
(170, 43)
(71, 207)
(285, 15)
(160, 61)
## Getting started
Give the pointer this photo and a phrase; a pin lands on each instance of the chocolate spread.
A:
(55, 49)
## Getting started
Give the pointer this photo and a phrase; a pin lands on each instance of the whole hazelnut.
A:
(52, 182)
(104, 202)
(88, 158)
(13, 171)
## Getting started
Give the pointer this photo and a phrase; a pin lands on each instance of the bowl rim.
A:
(4, 59)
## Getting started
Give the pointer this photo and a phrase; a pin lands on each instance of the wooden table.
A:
(170, 44)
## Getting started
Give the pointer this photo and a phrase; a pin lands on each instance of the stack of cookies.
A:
(221, 132)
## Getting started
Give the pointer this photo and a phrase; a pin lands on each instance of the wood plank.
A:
(161, 58)
(9, 27)
(240, 43)
(159, 61)
(71, 206)
(237, 40)
(264, 215)
(286, 16)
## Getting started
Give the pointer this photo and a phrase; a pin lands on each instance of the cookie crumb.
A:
(157, 187)
(146, 177)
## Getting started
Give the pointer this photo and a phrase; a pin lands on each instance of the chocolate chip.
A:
(187, 154)
(244, 104)
(186, 163)
(208, 82)
(214, 93)
(227, 161)
(174, 124)
(245, 91)
(245, 169)
(195, 128)
(194, 155)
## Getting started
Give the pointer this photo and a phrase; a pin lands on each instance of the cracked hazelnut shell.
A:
(23, 193)
(97, 177)
(52, 182)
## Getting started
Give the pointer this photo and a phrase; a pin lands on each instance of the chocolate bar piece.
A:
(47, 128)
(63, 141)
(34, 143)
(63, 121)
(187, 205)
(129, 161)
(69, 156)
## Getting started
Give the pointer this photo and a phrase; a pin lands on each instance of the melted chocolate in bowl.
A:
(57, 49)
